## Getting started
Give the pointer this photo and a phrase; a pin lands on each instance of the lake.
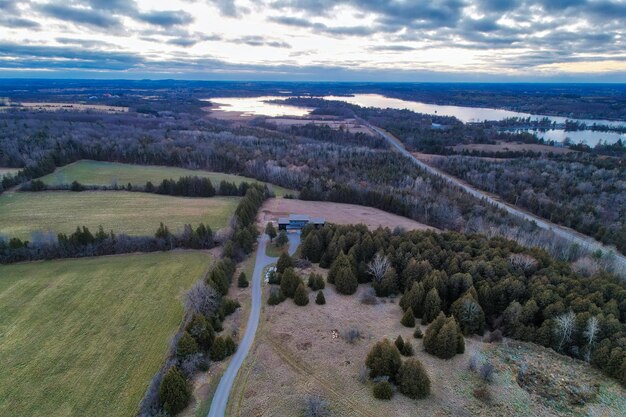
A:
(261, 106)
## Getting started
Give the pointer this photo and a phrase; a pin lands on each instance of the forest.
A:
(585, 193)
(486, 284)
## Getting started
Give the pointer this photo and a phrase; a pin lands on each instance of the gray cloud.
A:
(260, 41)
(80, 16)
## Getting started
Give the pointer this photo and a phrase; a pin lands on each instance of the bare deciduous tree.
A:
(523, 261)
(202, 299)
(590, 333)
(378, 266)
(565, 324)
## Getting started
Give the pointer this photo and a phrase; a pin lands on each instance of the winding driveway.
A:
(564, 232)
(220, 399)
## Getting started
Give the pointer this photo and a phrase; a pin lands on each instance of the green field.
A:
(107, 173)
(84, 337)
(22, 213)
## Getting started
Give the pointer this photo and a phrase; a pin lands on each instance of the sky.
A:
(316, 40)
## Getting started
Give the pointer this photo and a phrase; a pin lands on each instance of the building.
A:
(298, 221)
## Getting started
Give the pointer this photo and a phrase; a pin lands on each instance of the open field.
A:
(512, 147)
(132, 213)
(295, 356)
(106, 173)
(351, 125)
(5, 171)
(48, 106)
(85, 337)
(337, 213)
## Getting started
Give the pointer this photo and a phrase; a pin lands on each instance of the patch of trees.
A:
(568, 191)
(465, 284)
(83, 243)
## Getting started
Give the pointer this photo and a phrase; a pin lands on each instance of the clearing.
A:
(511, 147)
(337, 213)
(84, 337)
(49, 106)
(106, 173)
(132, 213)
(5, 171)
(350, 125)
(300, 351)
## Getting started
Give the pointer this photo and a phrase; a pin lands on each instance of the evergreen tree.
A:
(320, 299)
(345, 281)
(382, 390)
(388, 285)
(186, 346)
(276, 297)
(201, 330)
(311, 248)
(316, 282)
(383, 360)
(283, 263)
(407, 349)
(399, 343)
(408, 320)
(282, 239)
(230, 346)
(219, 350)
(413, 380)
(444, 338)
(270, 231)
(432, 330)
(289, 282)
(242, 281)
(341, 262)
(301, 297)
(469, 314)
(174, 391)
(418, 333)
(432, 306)
(414, 298)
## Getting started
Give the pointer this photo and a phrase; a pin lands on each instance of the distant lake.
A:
(260, 106)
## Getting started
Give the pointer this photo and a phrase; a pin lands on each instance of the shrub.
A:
(399, 343)
(218, 350)
(408, 320)
(487, 371)
(186, 346)
(201, 330)
(364, 372)
(383, 360)
(242, 281)
(273, 278)
(230, 345)
(495, 336)
(369, 297)
(316, 282)
(383, 390)
(418, 333)
(413, 380)
(320, 299)
(316, 407)
(174, 391)
(229, 306)
(276, 296)
(482, 394)
(351, 335)
(407, 349)
(301, 297)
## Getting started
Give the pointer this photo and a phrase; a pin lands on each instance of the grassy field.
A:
(85, 337)
(105, 173)
(5, 171)
(22, 213)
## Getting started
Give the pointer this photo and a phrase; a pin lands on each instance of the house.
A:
(298, 221)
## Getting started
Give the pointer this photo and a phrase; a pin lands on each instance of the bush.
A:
(301, 297)
(482, 394)
(316, 407)
(276, 296)
(413, 380)
(383, 360)
(418, 333)
(201, 330)
(443, 337)
(316, 282)
(487, 371)
(218, 351)
(407, 349)
(495, 336)
(273, 278)
(369, 297)
(230, 345)
(242, 281)
(383, 390)
(351, 335)
(320, 299)
(408, 320)
(186, 346)
(399, 343)
(229, 306)
(174, 391)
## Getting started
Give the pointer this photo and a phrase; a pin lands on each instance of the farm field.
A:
(296, 355)
(22, 213)
(105, 173)
(85, 337)
(337, 213)
(513, 147)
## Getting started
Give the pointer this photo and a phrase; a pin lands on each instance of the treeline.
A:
(486, 284)
(84, 243)
(571, 190)
(188, 186)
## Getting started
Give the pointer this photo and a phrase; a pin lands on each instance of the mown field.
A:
(23, 213)
(107, 173)
(84, 337)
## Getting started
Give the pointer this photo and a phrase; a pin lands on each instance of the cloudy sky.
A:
(396, 40)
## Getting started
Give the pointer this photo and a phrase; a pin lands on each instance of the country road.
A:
(561, 231)
(220, 399)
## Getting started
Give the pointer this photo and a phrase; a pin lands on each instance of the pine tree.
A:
(414, 298)
(301, 297)
(382, 390)
(186, 346)
(345, 281)
(407, 349)
(289, 282)
(242, 281)
(469, 314)
(399, 343)
(432, 330)
(316, 282)
(283, 263)
(282, 239)
(432, 306)
(174, 391)
(320, 299)
(446, 341)
(383, 360)
(413, 380)
(408, 320)
(312, 248)
(270, 231)
(341, 262)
